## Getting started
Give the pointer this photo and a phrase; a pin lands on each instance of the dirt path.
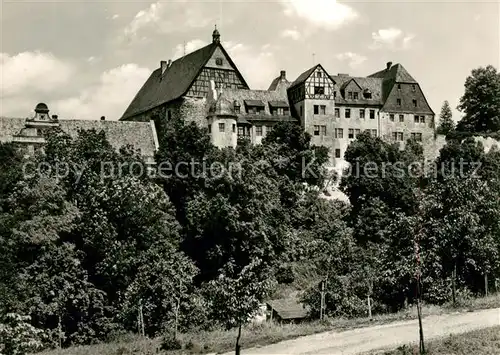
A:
(383, 336)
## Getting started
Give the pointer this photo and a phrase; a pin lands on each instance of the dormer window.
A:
(236, 107)
(415, 103)
(367, 94)
(356, 95)
(349, 95)
(254, 106)
(218, 61)
(398, 102)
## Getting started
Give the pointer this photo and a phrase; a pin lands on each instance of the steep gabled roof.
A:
(175, 82)
(305, 75)
(397, 72)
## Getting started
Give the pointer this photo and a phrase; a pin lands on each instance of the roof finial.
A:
(216, 35)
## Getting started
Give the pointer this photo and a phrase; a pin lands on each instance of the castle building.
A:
(29, 134)
(205, 86)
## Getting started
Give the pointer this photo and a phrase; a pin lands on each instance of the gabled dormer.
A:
(314, 83)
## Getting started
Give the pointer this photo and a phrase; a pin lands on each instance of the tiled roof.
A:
(279, 84)
(303, 77)
(397, 72)
(288, 308)
(174, 83)
(241, 96)
(374, 85)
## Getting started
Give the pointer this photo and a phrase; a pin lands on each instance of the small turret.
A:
(215, 35)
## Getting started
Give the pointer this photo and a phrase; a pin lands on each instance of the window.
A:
(347, 113)
(316, 109)
(334, 94)
(422, 119)
(339, 133)
(323, 130)
(399, 86)
(234, 128)
(398, 101)
(337, 153)
(397, 136)
(374, 132)
(337, 112)
(322, 110)
(415, 103)
(414, 88)
(319, 90)
(349, 95)
(258, 131)
(252, 110)
(401, 118)
(222, 127)
(417, 136)
(169, 114)
(357, 132)
(241, 131)
(361, 113)
(209, 128)
(351, 133)
(416, 119)
(218, 61)
(368, 95)
(356, 95)
(316, 130)
(269, 129)
(318, 74)
(236, 108)
(372, 114)
(391, 117)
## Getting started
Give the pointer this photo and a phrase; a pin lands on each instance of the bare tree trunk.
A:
(453, 279)
(177, 307)
(369, 308)
(59, 330)
(238, 347)
(420, 326)
(486, 284)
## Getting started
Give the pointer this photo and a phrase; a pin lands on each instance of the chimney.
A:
(163, 66)
(283, 75)
(103, 118)
(343, 75)
(389, 65)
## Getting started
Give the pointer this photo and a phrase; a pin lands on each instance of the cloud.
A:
(169, 17)
(109, 97)
(327, 14)
(189, 47)
(258, 66)
(31, 73)
(354, 59)
(391, 38)
(293, 34)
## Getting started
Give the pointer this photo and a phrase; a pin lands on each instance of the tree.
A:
(237, 295)
(481, 102)
(446, 123)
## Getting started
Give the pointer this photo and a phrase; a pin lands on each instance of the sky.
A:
(87, 59)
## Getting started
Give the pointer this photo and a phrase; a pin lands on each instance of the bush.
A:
(170, 342)
(18, 336)
(285, 275)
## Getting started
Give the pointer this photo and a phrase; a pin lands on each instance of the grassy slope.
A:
(478, 342)
(263, 334)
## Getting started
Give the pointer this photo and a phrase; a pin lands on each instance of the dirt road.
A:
(383, 336)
